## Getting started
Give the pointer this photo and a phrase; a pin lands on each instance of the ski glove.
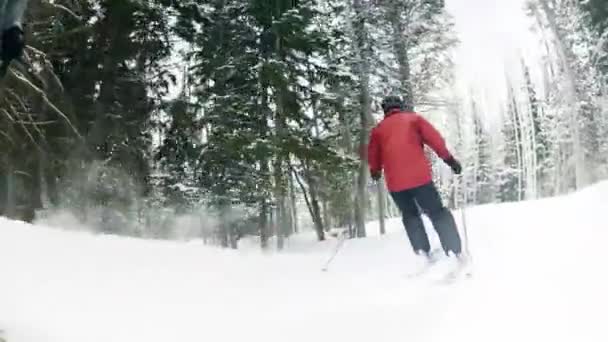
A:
(376, 175)
(454, 165)
(13, 43)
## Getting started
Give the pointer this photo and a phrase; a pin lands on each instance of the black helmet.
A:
(392, 102)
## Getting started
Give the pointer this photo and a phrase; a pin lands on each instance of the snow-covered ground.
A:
(540, 268)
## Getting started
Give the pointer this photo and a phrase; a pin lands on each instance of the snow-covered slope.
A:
(541, 274)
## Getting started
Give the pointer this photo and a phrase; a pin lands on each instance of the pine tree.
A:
(93, 92)
(178, 156)
(256, 102)
(574, 47)
(597, 13)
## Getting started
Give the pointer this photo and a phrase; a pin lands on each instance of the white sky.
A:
(493, 35)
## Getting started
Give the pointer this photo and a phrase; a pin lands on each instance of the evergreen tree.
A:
(597, 13)
(95, 95)
(575, 54)
(178, 156)
(256, 101)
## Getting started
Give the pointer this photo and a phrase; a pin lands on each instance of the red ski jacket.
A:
(397, 146)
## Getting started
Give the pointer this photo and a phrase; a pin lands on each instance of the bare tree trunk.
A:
(312, 204)
(233, 236)
(288, 213)
(280, 132)
(10, 209)
(265, 171)
(360, 201)
(294, 209)
(326, 215)
(224, 227)
(280, 204)
(515, 118)
(4, 185)
(316, 209)
(263, 219)
(347, 142)
(317, 186)
(401, 52)
(363, 49)
(34, 201)
(381, 207)
(280, 221)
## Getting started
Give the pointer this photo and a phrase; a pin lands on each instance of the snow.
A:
(540, 275)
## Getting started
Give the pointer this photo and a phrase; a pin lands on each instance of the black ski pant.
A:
(427, 199)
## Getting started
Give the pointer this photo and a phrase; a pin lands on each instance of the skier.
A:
(397, 147)
(13, 41)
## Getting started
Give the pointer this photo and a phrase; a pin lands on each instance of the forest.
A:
(220, 119)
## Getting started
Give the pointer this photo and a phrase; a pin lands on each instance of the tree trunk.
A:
(312, 204)
(381, 207)
(326, 215)
(401, 52)
(316, 209)
(288, 213)
(360, 202)
(294, 209)
(347, 144)
(224, 228)
(264, 170)
(263, 221)
(317, 186)
(10, 209)
(279, 193)
(34, 202)
(280, 132)
(3, 185)
(515, 118)
(233, 236)
(363, 50)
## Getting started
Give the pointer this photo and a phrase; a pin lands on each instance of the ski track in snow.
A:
(539, 275)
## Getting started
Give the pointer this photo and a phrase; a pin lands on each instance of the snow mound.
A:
(540, 275)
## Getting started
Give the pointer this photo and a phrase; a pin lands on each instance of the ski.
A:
(461, 271)
(419, 273)
(433, 259)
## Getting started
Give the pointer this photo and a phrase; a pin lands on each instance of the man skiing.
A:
(397, 147)
(13, 42)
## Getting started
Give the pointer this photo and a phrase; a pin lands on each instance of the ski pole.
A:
(464, 219)
(336, 250)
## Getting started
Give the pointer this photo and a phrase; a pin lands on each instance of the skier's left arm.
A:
(434, 139)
